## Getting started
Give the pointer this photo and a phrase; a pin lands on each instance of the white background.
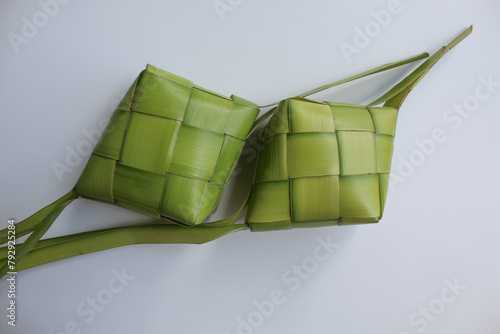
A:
(441, 223)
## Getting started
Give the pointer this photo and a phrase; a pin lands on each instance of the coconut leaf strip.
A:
(401, 90)
(39, 231)
(30, 224)
(50, 250)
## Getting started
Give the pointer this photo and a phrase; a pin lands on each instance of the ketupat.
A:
(169, 149)
(322, 164)
(344, 181)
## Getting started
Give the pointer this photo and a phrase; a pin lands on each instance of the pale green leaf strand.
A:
(375, 70)
(41, 228)
(55, 249)
(29, 224)
(396, 95)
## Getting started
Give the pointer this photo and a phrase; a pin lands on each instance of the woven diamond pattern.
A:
(322, 164)
(169, 149)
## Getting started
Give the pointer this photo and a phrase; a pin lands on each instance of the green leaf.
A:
(50, 250)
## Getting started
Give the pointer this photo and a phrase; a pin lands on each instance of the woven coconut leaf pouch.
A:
(170, 148)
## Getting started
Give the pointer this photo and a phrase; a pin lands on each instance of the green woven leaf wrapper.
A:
(322, 164)
(169, 149)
